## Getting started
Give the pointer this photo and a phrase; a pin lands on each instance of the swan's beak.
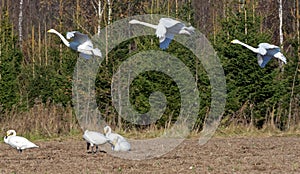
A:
(49, 31)
(231, 41)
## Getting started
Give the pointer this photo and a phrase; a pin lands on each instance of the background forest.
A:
(36, 69)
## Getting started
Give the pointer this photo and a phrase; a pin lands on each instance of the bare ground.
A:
(219, 155)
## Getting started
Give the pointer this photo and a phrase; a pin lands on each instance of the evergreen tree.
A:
(247, 83)
(10, 64)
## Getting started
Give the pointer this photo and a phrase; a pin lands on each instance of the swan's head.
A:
(235, 41)
(51, 31)
(134, 21)
(10, 132)
(106, 129)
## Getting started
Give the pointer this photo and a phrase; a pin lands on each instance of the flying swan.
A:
(166, 29)
(81, 43)
(93, 138)
(20, 143)
(265, 52)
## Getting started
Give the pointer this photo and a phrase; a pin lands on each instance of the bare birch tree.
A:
(20, 23)
(280, 31)
(99, 9)
(108, 23)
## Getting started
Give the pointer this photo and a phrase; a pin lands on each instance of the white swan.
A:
(166, 29)
(93, 138)
(113, 137)
(80, 43)
(20, 143)
(120, 145)
(265, 52)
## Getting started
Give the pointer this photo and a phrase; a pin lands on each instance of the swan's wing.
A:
(114, 136)
(259, 59)
(264, 47)
(168, 22)
(85, 46)
(164, 44)
(86, 49)
(280, 56)
(20, 142)
(122, 145)
(275, 52)
(263, 60)
(187, 30)
(97, 52)
(267, 46)
(70, 34)
(161, 31)
(261, 50)
(86, 56)
(77, 37)
(125, 145)
(95, 137)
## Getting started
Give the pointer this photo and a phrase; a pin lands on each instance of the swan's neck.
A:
(108, 131)
(147, 24)
(248, 46)
(62, 38)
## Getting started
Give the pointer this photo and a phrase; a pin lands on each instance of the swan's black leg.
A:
(96, 148)
(93, 150)
(87, 145)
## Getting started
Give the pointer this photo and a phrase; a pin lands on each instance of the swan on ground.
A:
(93, 138)
(120, 145)
(113, 137)
(18, 142)
(81, 43)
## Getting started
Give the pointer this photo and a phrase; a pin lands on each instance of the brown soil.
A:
(219, 155)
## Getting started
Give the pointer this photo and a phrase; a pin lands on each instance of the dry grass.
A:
(41, 121)
(44, 121)
(251, 131)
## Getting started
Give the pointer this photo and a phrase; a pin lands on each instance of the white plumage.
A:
(265, 52)
(118, 142)
(166, 29)
(111, 136)
(93, 138)
(81, 43)
(120, 145)
(18, 142)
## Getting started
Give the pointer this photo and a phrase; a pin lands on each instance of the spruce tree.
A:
(10, 64)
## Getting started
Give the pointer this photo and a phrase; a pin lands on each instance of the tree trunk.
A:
(20, 24)
(280, 33)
